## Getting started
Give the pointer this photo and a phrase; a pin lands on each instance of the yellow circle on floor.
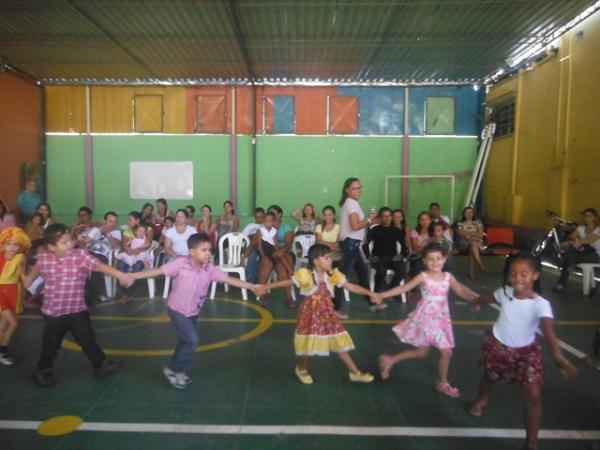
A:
(59, 425)
(264, 323)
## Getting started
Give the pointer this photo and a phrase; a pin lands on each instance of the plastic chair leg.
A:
(151, 287)
(167, 285)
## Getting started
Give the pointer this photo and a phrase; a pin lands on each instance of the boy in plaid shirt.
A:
(65, 271)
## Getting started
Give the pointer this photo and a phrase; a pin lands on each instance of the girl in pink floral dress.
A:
(429, 325)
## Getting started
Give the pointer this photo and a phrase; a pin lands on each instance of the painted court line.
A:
(494, 433)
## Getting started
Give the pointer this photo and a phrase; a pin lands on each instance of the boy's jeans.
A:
(187, 340)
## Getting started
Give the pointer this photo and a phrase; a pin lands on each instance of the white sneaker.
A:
(177, 380)
(378, 307)
(6, 359)
(341, 315)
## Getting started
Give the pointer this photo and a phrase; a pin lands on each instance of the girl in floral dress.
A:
(429, 325)
(319, 331)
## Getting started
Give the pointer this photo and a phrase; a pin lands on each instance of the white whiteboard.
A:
(156, 179)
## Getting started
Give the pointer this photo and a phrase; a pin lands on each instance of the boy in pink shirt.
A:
(192, 276)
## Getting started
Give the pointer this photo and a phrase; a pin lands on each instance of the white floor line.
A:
(566, 347)
(495, 433)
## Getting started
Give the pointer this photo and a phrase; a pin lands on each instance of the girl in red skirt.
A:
(510, 351)
(13, 243)
(318, 330)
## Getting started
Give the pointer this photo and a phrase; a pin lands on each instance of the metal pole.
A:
(405, 152)
(89, 151)
(233, 152)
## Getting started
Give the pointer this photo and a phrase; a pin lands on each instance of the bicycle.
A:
(553, 244)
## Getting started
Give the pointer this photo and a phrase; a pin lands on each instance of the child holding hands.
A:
(429, 325)
(318, 330)
(192, 276)
(510, 351)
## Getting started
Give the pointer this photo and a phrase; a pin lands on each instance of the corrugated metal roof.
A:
(410, 40)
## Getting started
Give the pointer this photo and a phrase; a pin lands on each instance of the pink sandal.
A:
(446, 389)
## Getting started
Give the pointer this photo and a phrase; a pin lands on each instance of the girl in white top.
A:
(511, 352)
(139, 241)
(176, 237)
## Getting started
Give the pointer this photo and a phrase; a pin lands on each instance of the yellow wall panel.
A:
(555, 145)
(65, 109)
(112, 108)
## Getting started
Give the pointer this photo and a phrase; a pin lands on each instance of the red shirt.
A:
(64, 278)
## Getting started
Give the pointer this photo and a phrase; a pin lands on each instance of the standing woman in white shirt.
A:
(177, 236)
(510, 351)
(352, 233)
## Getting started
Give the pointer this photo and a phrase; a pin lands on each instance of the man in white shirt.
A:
(101, 241)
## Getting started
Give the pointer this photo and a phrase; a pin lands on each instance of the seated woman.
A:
(307, 222)
(419, 238)
(328, 233)
(228, 222)
(35, 227)
(283, 258)
(158, 219)
(207, 225)
(176, 237)
(133, 221)
(147, 219)
(584, 246)
(470, 239)
(46, 212)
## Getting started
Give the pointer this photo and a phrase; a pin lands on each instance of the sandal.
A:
(303, 376)
(446, 389)
(476, 409)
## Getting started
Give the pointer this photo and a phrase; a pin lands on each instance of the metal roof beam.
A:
(234, 17)
(111, 37)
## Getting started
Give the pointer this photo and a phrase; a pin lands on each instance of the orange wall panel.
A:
(20, 130)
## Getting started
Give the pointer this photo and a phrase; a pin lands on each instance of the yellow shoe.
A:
(361, 377)
(303, 376)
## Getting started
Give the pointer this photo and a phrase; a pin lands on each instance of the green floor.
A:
(244, 379)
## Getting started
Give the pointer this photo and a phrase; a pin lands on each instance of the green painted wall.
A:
(440, 156)
(291, 170)
(112, 154)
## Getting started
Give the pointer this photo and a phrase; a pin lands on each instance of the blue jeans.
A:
(351, 258)
(187, 340)
(253, 267)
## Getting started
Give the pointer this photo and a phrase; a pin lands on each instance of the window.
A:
(211, 114)
(342, 114)
(502, 113)
(148, 113)
(440, 113)
(279, 114)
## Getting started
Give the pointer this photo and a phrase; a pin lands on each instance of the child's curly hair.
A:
(15, 234)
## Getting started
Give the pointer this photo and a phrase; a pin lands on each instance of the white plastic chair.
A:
(150, 281)
(388, 273)
(301, 246)
(232, 261)
(108, 280)
(589, 282)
